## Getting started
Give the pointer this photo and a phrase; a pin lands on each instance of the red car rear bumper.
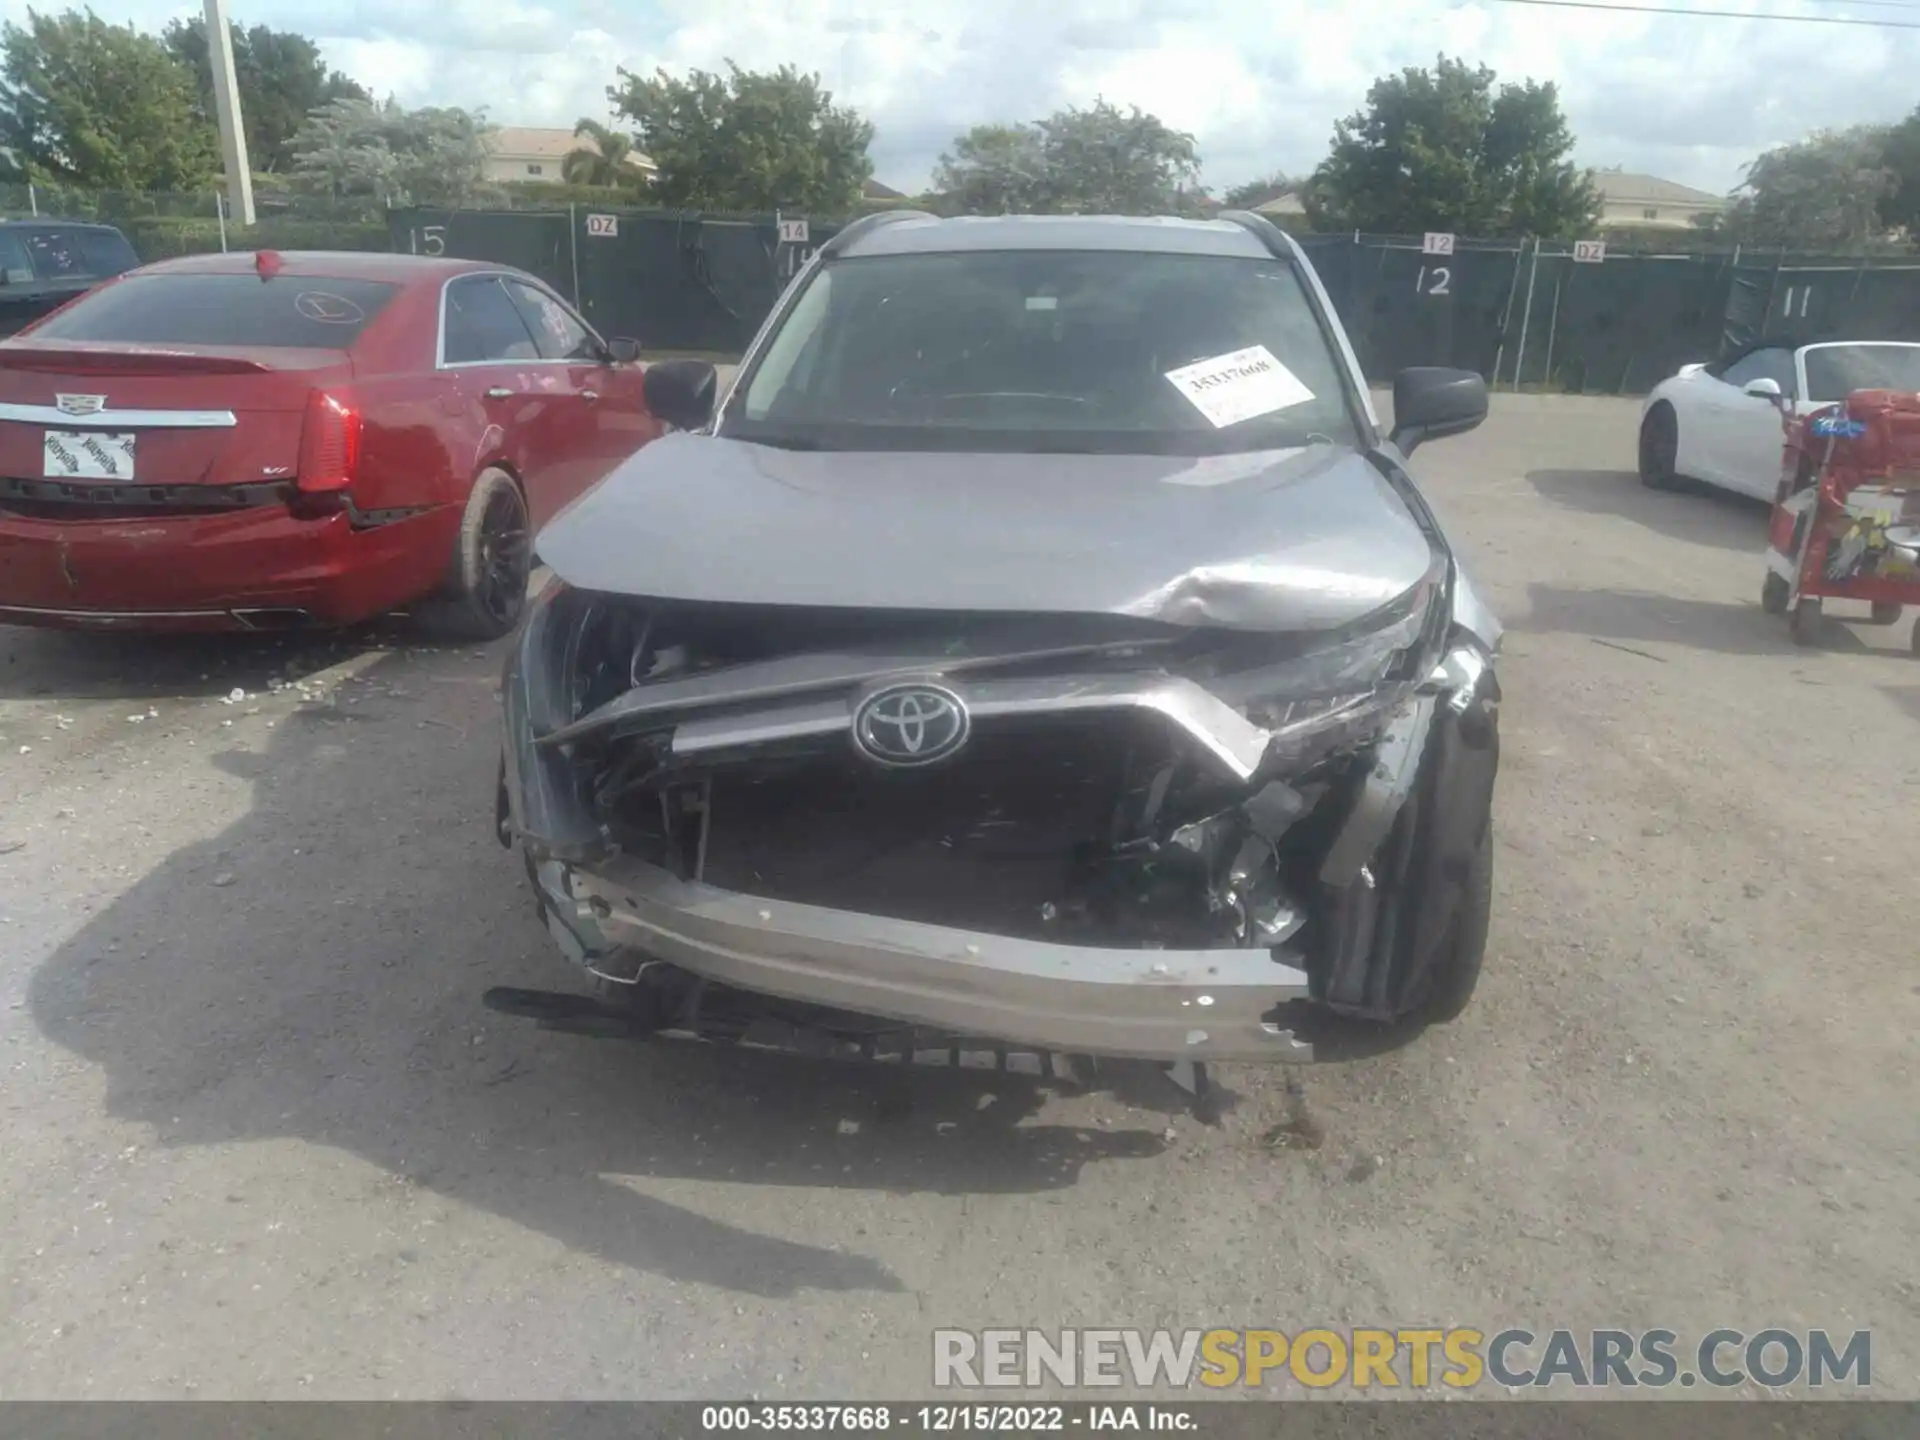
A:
(243, 570)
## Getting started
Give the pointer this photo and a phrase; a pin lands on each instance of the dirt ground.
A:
(260, 1139)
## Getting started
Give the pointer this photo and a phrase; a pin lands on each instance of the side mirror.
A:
(623, 352)
(1766, 389)
(1687, 372)
(681, 392)
(1430, 402)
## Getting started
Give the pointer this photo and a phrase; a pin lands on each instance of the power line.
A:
(1721, 14)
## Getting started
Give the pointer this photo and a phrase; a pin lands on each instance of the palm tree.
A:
(602, 160)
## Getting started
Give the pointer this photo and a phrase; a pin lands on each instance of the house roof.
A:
(1287, 204)
(538, 142)
(1627, 187)
(874, 190)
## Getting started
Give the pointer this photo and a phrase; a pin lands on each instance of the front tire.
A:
(1774, 594)
(1456, 972)
(1804, 624)
(1660, 448)
(1887, 612)
(486, 590)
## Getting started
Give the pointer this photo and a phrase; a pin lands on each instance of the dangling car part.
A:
(1039, 649)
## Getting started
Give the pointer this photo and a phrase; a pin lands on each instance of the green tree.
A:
(995, 170)
(1101, 160)
(1900, 206)
(92, 104)
(747, 140)
(379, 150)
(281, 78)
(1442, 149)
(602, 160)
(1826, 192)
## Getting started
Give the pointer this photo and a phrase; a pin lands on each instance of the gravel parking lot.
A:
(261, 1140)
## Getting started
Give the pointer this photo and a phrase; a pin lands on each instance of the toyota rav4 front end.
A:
(1041, 650)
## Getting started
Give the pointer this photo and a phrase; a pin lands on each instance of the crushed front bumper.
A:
(1392, 853)
(1142, 1004)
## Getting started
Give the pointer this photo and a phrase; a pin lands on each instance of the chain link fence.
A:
(161, 226)
(672, 281)
(1541, 315)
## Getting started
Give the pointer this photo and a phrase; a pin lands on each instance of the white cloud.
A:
(1259, 85)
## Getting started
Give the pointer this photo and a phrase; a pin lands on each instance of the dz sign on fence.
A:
(793, 232)
(1589, 252)
(607, 225)
(1437, 243)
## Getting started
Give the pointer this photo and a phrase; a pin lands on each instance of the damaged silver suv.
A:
(1038, 651)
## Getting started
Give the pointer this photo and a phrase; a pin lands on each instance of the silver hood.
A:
(1306, 539)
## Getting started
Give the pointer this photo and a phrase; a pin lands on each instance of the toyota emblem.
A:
(907, 725)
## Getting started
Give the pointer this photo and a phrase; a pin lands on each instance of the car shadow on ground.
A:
(1907, 697)
(1698, 514)
(94, 665)
(1624, 618)
(315, 972)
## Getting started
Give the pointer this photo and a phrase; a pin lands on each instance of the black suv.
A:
(45, 263)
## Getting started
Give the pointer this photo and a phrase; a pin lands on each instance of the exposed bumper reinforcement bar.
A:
(1144, 1004)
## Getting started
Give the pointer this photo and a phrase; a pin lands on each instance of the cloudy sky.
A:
(1259, 83)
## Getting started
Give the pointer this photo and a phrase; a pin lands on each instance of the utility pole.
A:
(226, 104)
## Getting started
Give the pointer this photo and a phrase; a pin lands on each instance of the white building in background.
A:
(524, 152)
(1282, 207)
(1646, 202)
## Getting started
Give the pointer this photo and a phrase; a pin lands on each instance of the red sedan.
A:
(255, 441)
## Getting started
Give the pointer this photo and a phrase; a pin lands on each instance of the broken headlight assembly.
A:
(1324, 696)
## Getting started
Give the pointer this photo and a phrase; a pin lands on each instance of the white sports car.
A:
(1722, 424)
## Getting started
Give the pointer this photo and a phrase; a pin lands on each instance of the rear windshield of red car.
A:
(285, 311)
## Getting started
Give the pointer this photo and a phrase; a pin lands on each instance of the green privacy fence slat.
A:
(1521, 313)
(672, 282)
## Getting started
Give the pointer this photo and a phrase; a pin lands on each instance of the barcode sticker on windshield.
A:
(1230, 388)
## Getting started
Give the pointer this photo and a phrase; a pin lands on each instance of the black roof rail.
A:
(850, 233)
(1276, 240)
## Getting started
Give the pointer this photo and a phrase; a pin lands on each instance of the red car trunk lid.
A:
(151, 416)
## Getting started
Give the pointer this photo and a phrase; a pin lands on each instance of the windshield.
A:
(1836, 371)
(292, 311)
(1099, 351)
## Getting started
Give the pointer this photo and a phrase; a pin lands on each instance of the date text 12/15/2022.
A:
(947, 1419)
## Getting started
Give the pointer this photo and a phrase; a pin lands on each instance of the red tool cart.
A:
(1846, 518)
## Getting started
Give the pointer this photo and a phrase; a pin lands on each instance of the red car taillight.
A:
(329, 454)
